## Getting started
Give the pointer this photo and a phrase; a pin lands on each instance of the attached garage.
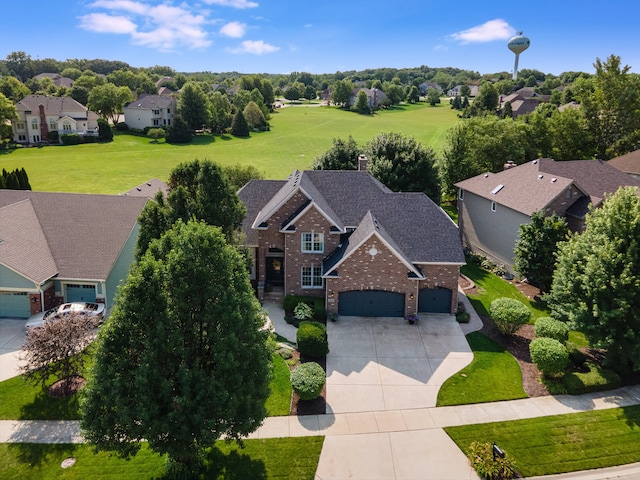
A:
(80, 293)
(434, 300)
(14, 304)
(371, 303)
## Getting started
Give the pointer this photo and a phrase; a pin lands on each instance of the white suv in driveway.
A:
(86, 308)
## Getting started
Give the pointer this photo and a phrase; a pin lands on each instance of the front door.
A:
(275, 271)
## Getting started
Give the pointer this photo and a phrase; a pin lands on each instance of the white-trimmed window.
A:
(66, 127)
(312, 242)
(53, 126)
(312, 277)
(34, 125)
(20, 126)
(493, 206)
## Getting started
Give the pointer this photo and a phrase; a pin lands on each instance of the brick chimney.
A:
(362, 163)
(44, 128)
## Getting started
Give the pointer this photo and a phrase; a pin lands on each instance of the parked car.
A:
(86, 308)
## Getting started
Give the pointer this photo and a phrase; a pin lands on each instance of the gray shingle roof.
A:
(629, 163)
(52, 105)
(84, 233)
(149, 189)
(254, 195)
(418, 228)
(532, 186)
(150, 102)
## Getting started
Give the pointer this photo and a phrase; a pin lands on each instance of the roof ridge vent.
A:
(540, 176)
(554, 180)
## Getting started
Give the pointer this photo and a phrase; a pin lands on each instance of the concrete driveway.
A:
(378, 364)
(12, 333)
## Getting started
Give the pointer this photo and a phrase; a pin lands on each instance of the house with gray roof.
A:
(493, 206)
(154, 111)
(63, 247)
(628, 163)
(38, 115)
(345, 237)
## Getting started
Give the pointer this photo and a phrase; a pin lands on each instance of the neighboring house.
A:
(149, 189)
(629, 163)
(63, 247)
(424, 87)
(473, 89)
(345, 237)
(58, 80)
(573, 105)
(492, 206)
(40, 114)
(374, 96)
(150, 111)
(523, 101)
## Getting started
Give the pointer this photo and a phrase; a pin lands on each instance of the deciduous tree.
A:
(343, 155)
(182, 361)
(193, 106)
(596, 286)
(108, 100)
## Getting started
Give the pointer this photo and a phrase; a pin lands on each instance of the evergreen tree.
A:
(239, 126)
(362, 104)
(179, 131)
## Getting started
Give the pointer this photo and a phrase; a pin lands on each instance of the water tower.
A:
(517, 45)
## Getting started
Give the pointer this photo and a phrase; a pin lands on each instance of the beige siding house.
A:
(150, 111)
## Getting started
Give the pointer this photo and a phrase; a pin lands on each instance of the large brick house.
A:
(344, 236)
(493, 206)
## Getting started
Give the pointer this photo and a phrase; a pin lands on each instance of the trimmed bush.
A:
(549, 355)
(597, 379)
(307, 380)
(551, 328)
(312, 339)
(70, 139)
(303, 311)
(509, 314)
(290, 301)
(488, 467)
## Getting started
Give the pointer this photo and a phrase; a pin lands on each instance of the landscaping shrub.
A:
(551, 328)
(508, 314)
(290, 301)
(307, 380)
(576, 356)
(312, 339)
(549, 355)
(488, 467)
(463, 317)
(596, 379)
(53, 137)
(303, 311)
(122, 126)
(319, 312)
(70, 138)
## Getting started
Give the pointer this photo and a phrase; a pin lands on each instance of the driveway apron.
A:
(378, 364)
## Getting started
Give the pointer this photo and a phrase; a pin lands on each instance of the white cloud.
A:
(242, 4)
(255, 47)
(233, 30)
(103, 23)
(497, 29)
(158, 26)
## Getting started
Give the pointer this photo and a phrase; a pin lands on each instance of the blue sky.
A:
(277, 36)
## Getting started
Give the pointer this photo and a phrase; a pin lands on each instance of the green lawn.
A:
(278, 458)
(298, 134)
(562, 443)
(491, 286)
(20, 400)
(493, 375)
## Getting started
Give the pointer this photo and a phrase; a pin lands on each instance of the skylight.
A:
(497, 189)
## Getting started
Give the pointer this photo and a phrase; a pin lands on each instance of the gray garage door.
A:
(434, 300)
(14, 304)
(81, 293)
(371, 303)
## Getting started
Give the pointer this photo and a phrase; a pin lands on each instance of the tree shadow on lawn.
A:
(46, 407)
(39, 454)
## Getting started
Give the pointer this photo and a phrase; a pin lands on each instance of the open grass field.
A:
(298, 134)
(277, 458)
(562, 443)
(494, 375)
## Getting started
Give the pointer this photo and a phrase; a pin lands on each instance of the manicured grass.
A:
(278, 458)
(562, 443)
(20, 400)
(491, 286)
(279, 401)
(297, 136)
(451, 210)
(493, 375)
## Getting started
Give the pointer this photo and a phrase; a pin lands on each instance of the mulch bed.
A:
(309, 407)
(57, 390)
